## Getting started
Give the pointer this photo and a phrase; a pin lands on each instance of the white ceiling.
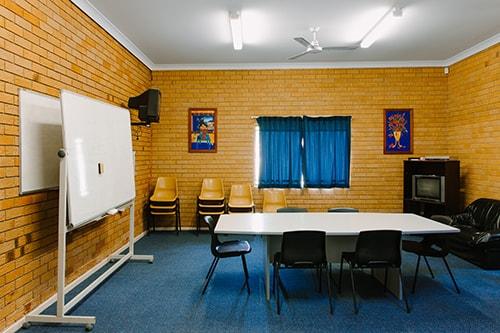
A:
(196, 34)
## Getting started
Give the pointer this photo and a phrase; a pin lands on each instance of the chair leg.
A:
(385, 280)
(210, 274)
(211, 266)
(319, 279)
(429, 267)
(403, 290)
(178, 217)
(416, 274)
(197, 218)
(327, 271)
(278, 281)
(451, 275)
(356, 310)
(340, 275)
(245, 269)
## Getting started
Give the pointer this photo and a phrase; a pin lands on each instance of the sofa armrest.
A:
(482, 238)
(443, 219)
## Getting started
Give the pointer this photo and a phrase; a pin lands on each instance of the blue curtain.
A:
(327, 151)
(280, 151)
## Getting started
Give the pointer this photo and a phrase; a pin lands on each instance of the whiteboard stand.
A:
(60, 317)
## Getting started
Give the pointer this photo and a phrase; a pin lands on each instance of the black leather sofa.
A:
(479, 237)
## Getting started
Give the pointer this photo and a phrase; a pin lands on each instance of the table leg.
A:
(393, 284)
(265, 256)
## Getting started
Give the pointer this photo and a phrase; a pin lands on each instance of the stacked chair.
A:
(211, 200)
(273, 200)
(241, 199)
(165, 201)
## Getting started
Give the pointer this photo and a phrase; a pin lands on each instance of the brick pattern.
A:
(46, 46)
(474, 123)
(49, 45)
(376, 183)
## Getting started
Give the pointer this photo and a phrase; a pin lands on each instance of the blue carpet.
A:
(165, 297)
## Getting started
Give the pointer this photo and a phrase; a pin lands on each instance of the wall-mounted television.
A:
(148, 104)
(428, 188)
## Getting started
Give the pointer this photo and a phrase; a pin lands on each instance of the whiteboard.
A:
(40, 138)
(98, 144)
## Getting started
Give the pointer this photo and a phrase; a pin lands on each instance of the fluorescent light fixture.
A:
(236, 31)
(381, 26)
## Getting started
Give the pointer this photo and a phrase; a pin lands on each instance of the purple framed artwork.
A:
(202, 132)
(398, 131)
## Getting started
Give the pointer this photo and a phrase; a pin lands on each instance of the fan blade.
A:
(340, 48)
(299, 55)
(303, 42)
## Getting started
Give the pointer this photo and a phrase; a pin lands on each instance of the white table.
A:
(341, 229)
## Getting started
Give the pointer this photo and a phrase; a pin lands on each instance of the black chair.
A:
(375, 249)
(343, 210)
(228, 249)
(301, 249)
(291, 210)
(430, 246)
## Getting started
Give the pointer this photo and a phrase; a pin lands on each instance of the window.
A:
(280, 151)
(295, 152)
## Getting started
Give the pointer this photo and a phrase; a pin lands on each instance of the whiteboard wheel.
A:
(89, 327)
(26, 325)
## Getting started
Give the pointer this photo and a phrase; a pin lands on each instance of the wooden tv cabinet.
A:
(450, 169)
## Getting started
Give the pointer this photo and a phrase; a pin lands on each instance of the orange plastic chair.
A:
(273, 199)
(241, 199)
(211, 200)
(165, 201)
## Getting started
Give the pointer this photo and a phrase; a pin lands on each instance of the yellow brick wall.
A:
(49, 45)
(376, 183)
(474, 122)
(46, 46)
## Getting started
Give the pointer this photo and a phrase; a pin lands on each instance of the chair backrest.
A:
(211, 229)
(292, 210)
(165, 189)
(303, 248)
(241, 195)
(343, 210)
(212, 188)
(273, 199)
(378, 247)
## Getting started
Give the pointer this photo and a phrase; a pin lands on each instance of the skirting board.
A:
(42, 307)
(173, 229)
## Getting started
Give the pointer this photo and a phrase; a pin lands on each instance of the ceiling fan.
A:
(313, 47)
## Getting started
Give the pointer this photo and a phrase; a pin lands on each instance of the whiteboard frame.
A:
(23, 160)
(71, 108)
(118, 260)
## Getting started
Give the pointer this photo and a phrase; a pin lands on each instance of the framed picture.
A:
(398, 131)
(202, 132)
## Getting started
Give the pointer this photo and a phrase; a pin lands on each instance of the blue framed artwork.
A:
(202, 132)
(398, 131)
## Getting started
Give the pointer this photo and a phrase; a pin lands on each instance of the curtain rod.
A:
(313, 116)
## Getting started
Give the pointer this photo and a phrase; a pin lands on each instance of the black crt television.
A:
(148, 104)
(428, 188)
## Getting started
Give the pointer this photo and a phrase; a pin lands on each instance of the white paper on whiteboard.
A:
(40, 138)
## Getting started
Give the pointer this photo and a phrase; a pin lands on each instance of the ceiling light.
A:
(381, 26)
(235, 22)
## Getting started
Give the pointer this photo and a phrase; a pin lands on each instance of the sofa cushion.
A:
(485, 214)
